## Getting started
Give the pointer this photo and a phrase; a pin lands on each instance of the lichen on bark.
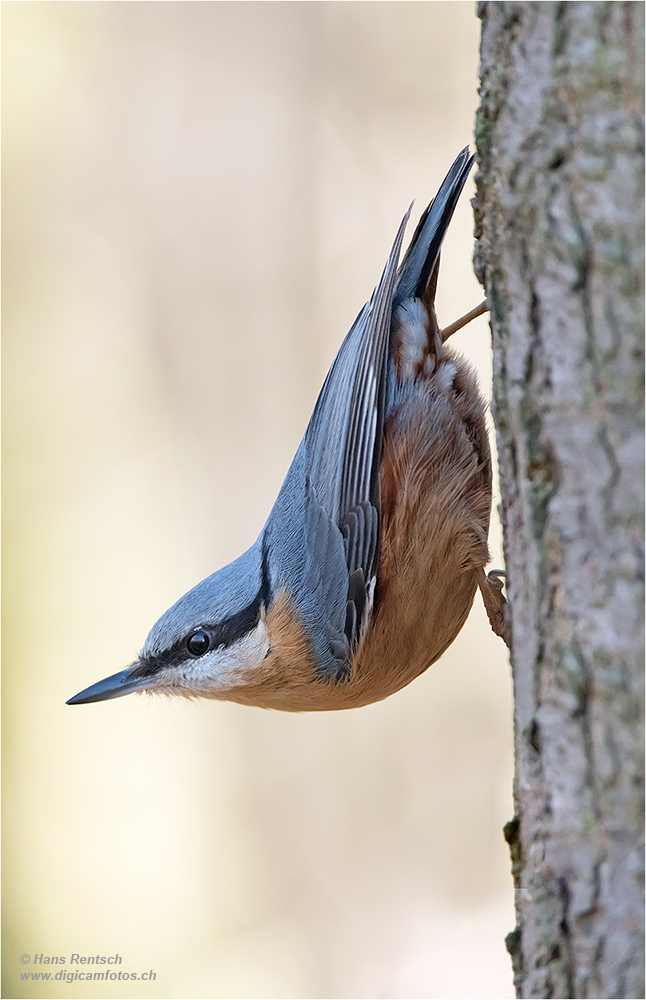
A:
(560, 251)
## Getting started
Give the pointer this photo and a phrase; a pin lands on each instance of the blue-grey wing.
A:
(343, 445)
(327, 518)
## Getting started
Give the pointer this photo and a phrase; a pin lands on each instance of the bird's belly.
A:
(436, 502)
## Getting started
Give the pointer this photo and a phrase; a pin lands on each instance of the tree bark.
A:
(559, 221)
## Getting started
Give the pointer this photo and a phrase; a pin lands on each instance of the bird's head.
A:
(206, 643)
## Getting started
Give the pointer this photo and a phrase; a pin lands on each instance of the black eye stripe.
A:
(236, 627)
(223, 634)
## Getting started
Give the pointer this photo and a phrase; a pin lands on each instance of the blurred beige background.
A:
(198, 198)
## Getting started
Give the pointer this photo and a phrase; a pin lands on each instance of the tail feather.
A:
(418, 270)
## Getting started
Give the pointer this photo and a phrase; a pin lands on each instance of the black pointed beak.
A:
(110, 687)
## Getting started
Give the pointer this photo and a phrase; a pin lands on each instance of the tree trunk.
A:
(559, 220)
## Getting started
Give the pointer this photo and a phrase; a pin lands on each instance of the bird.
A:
(369, 562)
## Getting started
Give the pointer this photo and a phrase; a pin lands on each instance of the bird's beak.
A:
(111, 687)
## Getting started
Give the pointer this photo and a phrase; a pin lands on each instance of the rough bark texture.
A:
(559, 214)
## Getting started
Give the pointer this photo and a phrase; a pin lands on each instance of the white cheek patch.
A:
(224, 667)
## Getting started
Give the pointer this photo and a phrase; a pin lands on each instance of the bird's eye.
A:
(199, 643)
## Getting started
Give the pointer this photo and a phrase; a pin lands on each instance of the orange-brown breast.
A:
(436, 504)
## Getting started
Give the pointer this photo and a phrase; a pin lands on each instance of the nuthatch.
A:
(368, 565)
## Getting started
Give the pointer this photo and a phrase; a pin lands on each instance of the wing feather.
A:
(344, 438)
(341, 450)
